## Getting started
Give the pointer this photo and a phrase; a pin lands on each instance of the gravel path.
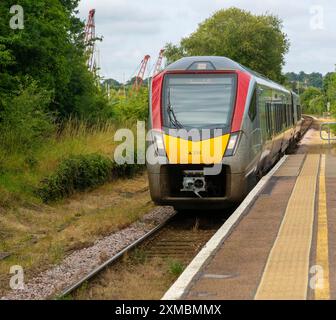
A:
(51, 282)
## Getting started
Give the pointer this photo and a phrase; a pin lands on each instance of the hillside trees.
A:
(314, 79)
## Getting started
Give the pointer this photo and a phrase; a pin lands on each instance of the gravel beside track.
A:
(51, 282)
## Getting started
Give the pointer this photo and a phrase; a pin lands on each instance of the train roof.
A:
(220, 63)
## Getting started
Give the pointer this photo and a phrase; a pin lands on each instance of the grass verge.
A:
(40, 236)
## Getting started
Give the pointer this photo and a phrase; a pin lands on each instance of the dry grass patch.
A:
(40, 236)
(131, 280)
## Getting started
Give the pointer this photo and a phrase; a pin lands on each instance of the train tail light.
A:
(232, 145)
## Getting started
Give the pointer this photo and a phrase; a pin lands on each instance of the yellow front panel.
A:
(181, 151)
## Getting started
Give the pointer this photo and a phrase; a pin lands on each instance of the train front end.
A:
(197, 110)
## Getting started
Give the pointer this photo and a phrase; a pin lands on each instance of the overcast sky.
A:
(133, 28)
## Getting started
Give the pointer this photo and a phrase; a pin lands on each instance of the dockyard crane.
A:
(140, 76)
(90, 41)
(158, 63)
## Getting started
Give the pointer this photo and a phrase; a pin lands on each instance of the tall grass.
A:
(21, 171)
(32, 146)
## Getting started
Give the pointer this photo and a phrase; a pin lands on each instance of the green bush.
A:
(79, 173)
(24, 119)
(131, 108)
(312, 101)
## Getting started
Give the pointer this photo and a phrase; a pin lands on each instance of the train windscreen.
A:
(200, 101)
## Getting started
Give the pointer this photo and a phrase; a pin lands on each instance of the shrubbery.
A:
(131, 108)
(314, 100)
(24, 119)
(79, 173)
(52, 107)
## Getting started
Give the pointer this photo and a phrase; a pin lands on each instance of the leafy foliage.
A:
(329, 90)
(79, 173)
(50, 51)
(256, 41)
(312, 101)
(45, 86)
(132, 107)
(315, 100)
(114, 84)
(24, 121)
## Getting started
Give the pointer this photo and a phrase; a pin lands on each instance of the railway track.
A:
(179, 238)
(113, 259)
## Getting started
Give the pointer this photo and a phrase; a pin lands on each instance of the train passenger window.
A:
(278, 119)
(253, 107)
(281, 118)
(299, 112)
(269, 122)
(275, 107)
(267, 118)
(285, 115)
(292, 117)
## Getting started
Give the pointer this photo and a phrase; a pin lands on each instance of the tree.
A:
(256, 41)
(329, 89)
(312, 101)
(49, 50)
(112, 83)
(314, 79)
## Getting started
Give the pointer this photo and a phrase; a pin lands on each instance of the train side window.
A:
(271, 116)
(279, 118)
(299, 112)
(285, 115)
(268, 119)
(253, 107)
(282, 117)
(292, 114)
(276, 118)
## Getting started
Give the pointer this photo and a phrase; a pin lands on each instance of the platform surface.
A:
(284, 244)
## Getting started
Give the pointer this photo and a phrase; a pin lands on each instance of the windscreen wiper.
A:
(172, 117)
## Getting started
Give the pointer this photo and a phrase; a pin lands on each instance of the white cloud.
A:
(133, 28)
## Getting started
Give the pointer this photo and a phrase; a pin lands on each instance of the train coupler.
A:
(194, 181)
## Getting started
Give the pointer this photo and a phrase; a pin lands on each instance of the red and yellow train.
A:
(250, 122)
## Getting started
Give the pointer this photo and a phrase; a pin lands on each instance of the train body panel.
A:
(258, 120)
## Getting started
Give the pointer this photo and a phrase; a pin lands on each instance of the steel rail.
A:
(114, 259)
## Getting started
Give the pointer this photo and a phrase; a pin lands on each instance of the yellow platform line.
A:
(287, 268)
(322, 289)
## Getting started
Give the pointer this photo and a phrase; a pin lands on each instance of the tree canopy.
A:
(50, 51)
(315, 100)
(256, 41)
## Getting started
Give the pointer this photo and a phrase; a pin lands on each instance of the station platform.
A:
(281, 242)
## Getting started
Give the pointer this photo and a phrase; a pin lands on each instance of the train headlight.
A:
(158, 143)
(232, 145)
